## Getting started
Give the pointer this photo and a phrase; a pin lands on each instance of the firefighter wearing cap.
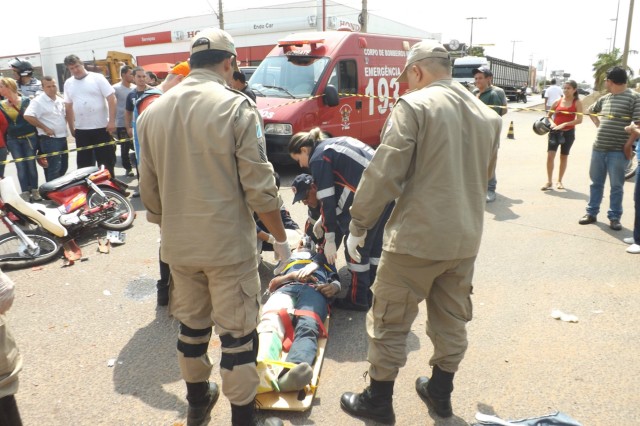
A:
(203, 171)
(437, 148)
(28, 85)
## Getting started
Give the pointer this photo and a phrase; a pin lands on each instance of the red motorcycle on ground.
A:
(86, 198)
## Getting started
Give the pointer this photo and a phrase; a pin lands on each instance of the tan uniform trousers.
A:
(10, 361)
(403, 281)
(226, 297)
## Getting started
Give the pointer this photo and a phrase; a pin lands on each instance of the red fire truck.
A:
(341, 81)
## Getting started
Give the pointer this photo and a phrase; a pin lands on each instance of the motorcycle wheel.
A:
(632, 167)
(124, 214)
(15, 254)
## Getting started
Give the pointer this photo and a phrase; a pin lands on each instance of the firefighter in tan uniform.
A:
(203, 171)
(437, 149)
(10, 358)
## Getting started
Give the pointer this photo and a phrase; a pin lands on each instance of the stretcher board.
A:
(299, 400)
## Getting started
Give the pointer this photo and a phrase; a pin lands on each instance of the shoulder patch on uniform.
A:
(262, 150)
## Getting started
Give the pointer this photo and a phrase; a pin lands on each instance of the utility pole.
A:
(615, 31)
(473, 18)
(513, 48)
(363, 17)
(625, 55)
(220, 15)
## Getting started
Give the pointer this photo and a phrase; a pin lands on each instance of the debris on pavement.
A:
(116, 237)
(104, 245)
(72, 252)
(558, 314)
(557, 419)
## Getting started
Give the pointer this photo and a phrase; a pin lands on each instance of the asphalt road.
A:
(72, 323)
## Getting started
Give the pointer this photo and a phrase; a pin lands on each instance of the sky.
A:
(566, 35)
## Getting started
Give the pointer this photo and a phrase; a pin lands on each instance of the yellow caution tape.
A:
(382, 98)
(51, 154)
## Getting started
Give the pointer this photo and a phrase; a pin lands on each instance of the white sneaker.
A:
(629, 240)
(633, 249)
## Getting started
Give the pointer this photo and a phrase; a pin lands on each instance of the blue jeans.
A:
(27, 172)
(603, 163)
(305, 340)
(3, 158)
(636, 204)
(493, 182)
(47, 146)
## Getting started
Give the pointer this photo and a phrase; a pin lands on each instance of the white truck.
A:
(507, 75)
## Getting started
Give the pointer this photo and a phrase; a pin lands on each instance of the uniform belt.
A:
(26, 136)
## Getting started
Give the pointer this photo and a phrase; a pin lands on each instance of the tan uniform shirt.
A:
(10, 360)
(204, 170)
(437, 148)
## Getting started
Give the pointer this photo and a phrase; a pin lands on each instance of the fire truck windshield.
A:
(288, 77)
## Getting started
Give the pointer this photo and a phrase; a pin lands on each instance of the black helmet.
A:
(542, 126)
(23, 68)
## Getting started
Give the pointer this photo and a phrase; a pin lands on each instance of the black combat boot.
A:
(375, 402)
(245, 415)
(9, 414)
(436, 392)
(163, 293)
(202, 396)
(163, 283)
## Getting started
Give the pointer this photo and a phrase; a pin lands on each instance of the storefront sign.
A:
(183, 35)
(145, 39)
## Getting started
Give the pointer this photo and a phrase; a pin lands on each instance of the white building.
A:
(255, 32)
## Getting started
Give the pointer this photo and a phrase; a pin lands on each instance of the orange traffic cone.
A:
(510, 132)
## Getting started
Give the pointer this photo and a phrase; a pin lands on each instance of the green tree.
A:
(476, 51)
(603, 63)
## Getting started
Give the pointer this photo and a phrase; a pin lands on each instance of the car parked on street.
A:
(248, 71)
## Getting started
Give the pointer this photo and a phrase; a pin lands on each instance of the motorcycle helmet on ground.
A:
(541, 126)
(23, 68)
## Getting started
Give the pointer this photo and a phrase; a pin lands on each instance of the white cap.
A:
(422, 50)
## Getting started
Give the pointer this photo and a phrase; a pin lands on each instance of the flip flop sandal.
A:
(559, 185)
(546, 187)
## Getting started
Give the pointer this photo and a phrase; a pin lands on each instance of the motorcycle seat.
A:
(73, 177)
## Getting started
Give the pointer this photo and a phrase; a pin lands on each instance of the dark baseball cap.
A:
(484, 70)
(300, 186)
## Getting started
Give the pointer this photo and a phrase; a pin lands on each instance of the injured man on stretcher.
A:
(293, 320)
